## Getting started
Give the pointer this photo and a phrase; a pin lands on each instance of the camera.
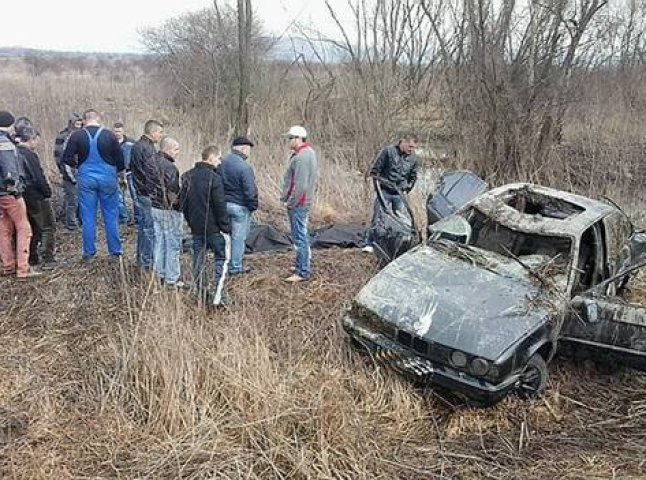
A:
(11, 185)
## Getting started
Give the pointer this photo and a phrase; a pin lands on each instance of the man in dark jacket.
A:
(142, 169)
(13, 212)
(37, 197)
(241, 195)
(126, 144)
(95, 153)
(395, 168)
(167, 220)
(68, 174)
(204, 207)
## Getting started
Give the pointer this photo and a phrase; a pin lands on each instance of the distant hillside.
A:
(286, 49)
(25, 52)
(283, 49)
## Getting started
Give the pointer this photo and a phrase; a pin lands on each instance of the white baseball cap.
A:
(296, 131)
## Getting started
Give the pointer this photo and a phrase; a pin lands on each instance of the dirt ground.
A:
(104, 374)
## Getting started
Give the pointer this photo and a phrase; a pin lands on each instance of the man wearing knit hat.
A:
(13, 212)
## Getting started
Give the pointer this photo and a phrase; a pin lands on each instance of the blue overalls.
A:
(97, 182)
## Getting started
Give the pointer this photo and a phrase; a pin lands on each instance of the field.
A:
(105, 375)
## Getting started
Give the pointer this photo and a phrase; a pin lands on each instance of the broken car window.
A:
(491, 235)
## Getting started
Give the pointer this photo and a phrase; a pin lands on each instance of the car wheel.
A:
(533, 379)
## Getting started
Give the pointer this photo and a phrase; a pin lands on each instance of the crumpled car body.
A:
(484, 317)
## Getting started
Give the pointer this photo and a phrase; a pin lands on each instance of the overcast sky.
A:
(112, 25)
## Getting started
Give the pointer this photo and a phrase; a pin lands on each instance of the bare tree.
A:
(382, 72)
(508, 69)
(245, 22)
(199, 53)
(37, 62)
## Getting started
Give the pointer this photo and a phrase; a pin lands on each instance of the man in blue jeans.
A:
(241, 195)
(167, 220)
(201, 199)
(126, 143)
(142, 168)
(299, 186)
(68, 174)
(95, 152)
(397, 164)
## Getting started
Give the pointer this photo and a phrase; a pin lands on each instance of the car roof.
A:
(584, 211)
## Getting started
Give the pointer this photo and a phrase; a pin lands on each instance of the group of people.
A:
(99, 167)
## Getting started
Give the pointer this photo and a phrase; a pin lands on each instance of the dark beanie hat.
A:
(238, 141)
(6, 119)
(27, 133)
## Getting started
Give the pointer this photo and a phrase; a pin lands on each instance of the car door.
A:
(393, 232)
(618, 232)
(598, 319)
(609, 326)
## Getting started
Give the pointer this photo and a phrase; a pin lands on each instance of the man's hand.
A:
(122, 180)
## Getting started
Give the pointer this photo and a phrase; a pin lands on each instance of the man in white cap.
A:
(299, 185)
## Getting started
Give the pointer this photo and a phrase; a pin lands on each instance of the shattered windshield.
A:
(533, 249)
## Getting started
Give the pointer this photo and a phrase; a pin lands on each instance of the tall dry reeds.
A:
(107, 375)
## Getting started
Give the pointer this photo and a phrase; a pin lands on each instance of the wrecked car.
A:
(481, 306)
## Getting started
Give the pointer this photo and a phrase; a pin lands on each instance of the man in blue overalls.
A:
(96, 153)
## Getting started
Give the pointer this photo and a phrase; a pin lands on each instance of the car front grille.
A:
(433, 351)
(403, 363)
(405, 338)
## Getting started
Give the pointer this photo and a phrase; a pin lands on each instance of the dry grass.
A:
(104, 375)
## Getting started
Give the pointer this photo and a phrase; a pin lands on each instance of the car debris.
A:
(481, 307)
(394, 233)
(454, 190)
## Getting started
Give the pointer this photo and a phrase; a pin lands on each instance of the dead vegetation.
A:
(105, 375)
(102, 375)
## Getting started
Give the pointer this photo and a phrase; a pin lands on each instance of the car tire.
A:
(533, 378)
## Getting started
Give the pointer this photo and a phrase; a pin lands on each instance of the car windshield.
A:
(489, 234)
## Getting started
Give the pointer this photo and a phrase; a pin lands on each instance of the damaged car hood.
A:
(461, 297)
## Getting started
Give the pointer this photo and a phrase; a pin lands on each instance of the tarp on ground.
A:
(339, 236)
(266, 238)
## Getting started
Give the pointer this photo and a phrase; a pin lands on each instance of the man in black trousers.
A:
(202, 201)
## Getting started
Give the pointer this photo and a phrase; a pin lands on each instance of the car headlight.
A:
(459, 359)
(479, 367)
